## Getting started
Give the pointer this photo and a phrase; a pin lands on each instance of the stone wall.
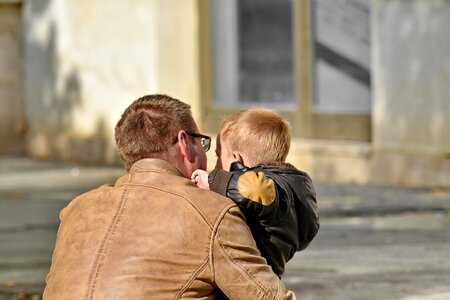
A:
(411, 104)
(412, 75)
(12, 125)
(411, 112)
(87, 60)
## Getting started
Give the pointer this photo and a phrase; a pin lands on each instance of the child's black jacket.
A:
(284, 225)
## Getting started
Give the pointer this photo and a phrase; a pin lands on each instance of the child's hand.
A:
(200, 178)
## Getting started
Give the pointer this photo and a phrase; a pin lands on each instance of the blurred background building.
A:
(365, 84)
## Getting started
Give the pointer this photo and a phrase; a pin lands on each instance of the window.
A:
(252, 52)
(308, 59)
(342, 56)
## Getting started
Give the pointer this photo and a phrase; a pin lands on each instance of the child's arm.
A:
(272, 193)
(200, 178)
(250, 189)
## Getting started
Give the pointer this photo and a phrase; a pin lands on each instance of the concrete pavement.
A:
(374, 242)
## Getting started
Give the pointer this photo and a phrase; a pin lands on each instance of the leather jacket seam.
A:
(246, 272)
(140, 170)
(192, 279)
(210, 257)
(232, 261)
(103, 247)
(213, 237)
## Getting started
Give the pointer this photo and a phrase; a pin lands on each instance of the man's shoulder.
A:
(207, 198)
(208, 204)
(95, 191)
(175, 188)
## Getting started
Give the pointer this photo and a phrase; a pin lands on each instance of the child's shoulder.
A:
(271, 166)
(280, 167)
(275, 164)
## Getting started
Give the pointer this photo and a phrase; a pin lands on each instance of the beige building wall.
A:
(410, 143)
(12, 125)
(178, 62)
(411, 136)
(87, 60)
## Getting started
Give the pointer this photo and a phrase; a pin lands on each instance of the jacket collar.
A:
(154, 165)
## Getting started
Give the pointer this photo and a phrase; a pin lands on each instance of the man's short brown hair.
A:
(149, 126)
(260, 133)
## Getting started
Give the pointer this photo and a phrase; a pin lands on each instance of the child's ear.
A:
(237, 156)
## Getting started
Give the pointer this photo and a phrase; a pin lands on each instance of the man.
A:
(154, 234)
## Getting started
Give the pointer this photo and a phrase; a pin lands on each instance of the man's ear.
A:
(237, 156)
(185, 146)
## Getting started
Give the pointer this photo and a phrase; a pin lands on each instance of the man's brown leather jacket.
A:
(155, 235)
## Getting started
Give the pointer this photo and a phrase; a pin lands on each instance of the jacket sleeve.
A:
(267, 208)
(251, 190)
(238, 268)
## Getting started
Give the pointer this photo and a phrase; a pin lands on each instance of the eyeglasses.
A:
(205, 140)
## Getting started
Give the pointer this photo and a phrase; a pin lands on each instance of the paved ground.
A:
(374, 242)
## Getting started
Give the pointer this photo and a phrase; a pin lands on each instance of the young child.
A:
(278, 200)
